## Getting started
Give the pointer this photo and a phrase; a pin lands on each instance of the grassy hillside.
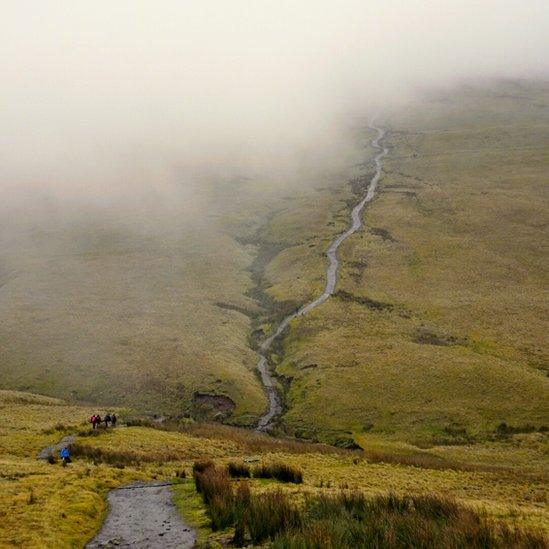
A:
(45, 505)
(437, 331)
(116, 313)
(149, 305)
(435, 335)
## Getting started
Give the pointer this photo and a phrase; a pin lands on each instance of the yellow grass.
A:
(46, 505)
(452, 252)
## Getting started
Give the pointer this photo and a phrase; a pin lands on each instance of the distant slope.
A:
(150, 307)
(101, 313)
(437, 333)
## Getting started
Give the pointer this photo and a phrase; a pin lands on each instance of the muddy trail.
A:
(143, 515)
(53, 451)
(275, 404)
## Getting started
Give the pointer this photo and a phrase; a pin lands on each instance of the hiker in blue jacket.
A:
(65, 456)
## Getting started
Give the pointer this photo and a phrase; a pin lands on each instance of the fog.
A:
(105, 104)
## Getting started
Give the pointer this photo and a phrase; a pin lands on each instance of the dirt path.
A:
(54, 450)
(275, 405)
(143, 515)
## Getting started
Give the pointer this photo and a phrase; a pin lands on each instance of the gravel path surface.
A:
(143, 515)
(275, 404)
(54, 450)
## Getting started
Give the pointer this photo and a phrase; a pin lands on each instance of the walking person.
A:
(98, 420)
(93, 421)
(107, 420)
(65, 456)
(113, 419)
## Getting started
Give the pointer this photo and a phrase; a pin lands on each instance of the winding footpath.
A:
(53, 451)
(143, 515)
(275, 404)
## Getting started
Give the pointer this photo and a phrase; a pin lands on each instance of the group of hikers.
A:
(96, 420)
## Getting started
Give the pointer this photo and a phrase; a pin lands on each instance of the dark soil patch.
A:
(221, 403)
(409, 194)
(231, 307)
(361, 182)
(356, 268)
(368, 302)
(426, 336)
(383, 233)
(212, 406)
(505, 431)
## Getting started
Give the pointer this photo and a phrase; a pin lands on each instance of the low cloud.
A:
(105, 102)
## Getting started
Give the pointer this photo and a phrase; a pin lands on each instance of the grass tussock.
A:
(350, 519)
(201, 465)
(217, 492)
(353, 520)
(212, 482)
(279, 471)
(260, 517)
(238, 469)
(117, 458)
(269, 514)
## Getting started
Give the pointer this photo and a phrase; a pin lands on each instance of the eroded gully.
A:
(275, 404)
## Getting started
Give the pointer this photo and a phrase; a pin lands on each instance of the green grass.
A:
(348, 518)
(453, 251)
(192, 509)
(48, 505)
(144, 307)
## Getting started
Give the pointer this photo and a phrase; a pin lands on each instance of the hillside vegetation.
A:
(428, 364)
(151, 305)
(436, 332)
(46, 505)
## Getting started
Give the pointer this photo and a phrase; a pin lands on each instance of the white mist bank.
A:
(109, 104)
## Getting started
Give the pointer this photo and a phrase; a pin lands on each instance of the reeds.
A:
(268, 515)
(217, 492)
(392, 521)
(238, 469)
(349, 519)
(279, 471)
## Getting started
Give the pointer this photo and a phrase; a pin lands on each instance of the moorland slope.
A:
(45, 505)
(436, 331)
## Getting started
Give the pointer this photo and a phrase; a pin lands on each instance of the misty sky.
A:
(104, 97)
